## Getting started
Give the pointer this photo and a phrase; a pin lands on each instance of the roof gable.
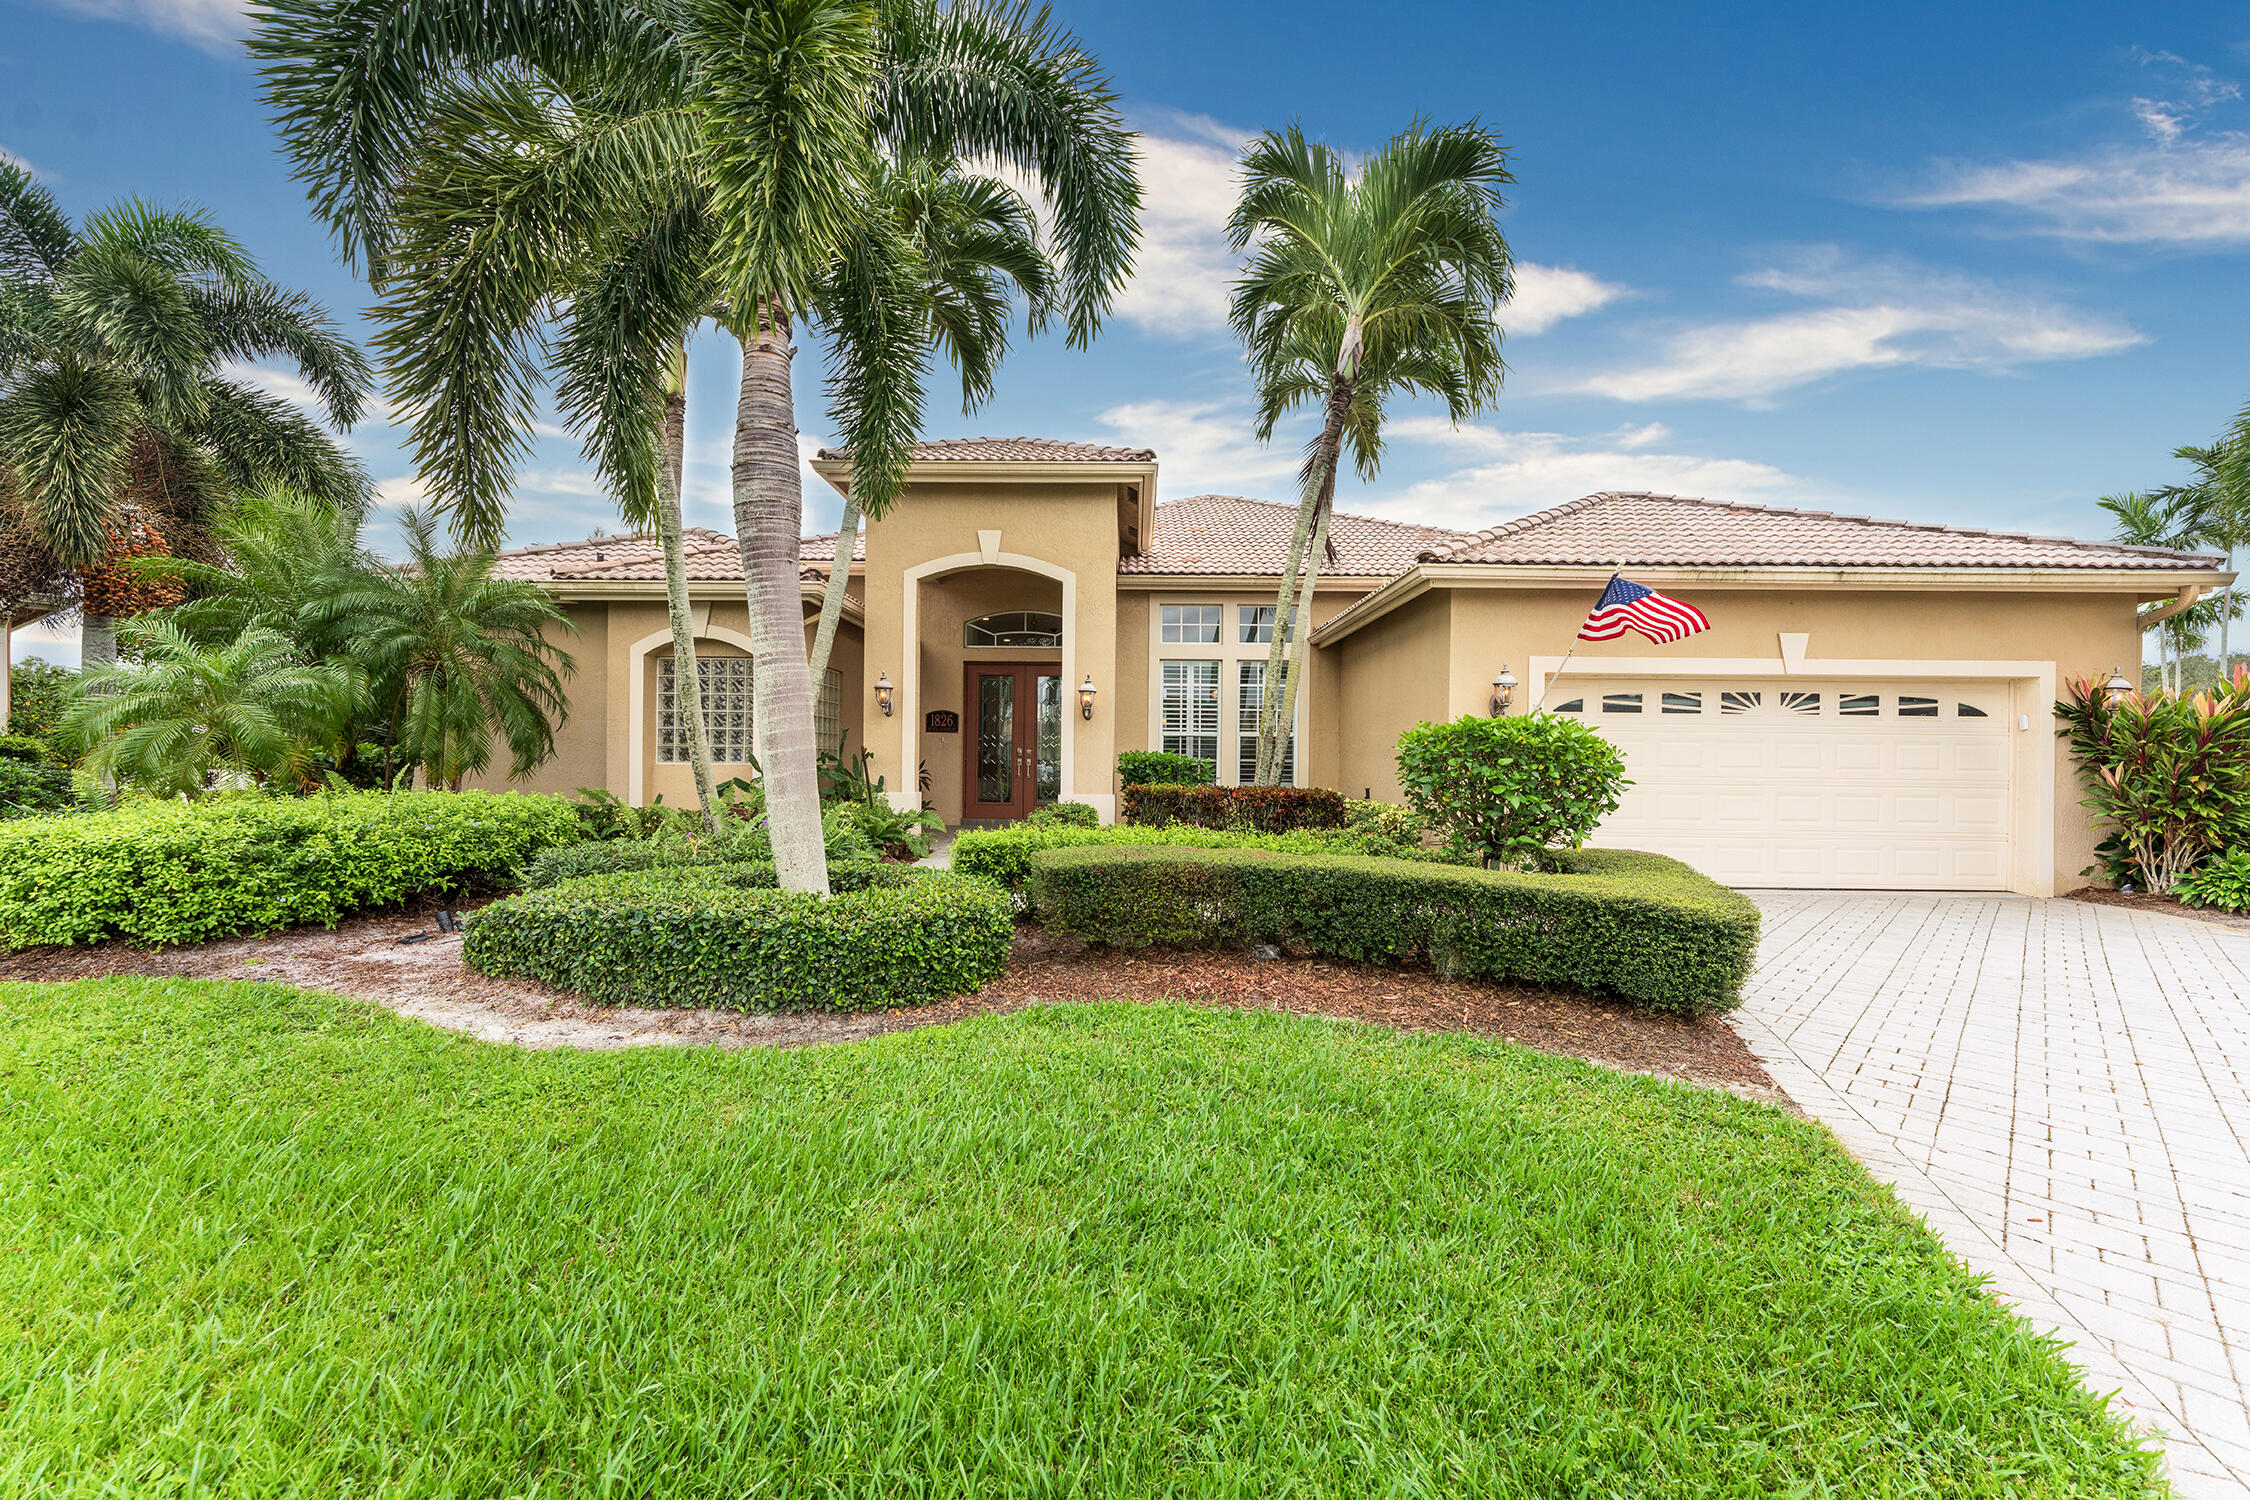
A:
(1626, 528)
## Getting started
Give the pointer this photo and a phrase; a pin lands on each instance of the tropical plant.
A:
(2222, 881)
(286, 561)
(117, 408)
(900, 833)
(38, 692)
(2167, 775)
(180, 713)
(1361, 287)
(744, 153)
(1508, 790)
(456, 655)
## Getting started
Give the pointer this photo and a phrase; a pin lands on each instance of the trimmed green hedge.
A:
(1004, 854)
(184, 872)
(1639, 926)
(1268, 809)
(720, 935)
(1153, 767)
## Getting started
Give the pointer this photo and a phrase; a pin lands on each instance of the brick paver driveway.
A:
(2063, 1090)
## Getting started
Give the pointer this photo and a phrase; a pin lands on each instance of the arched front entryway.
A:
(986, 699)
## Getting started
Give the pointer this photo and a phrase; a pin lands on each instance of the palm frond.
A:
(35, 235)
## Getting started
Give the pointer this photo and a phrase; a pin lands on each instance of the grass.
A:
(263, 1242)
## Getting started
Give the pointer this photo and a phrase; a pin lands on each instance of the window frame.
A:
(1226, 651)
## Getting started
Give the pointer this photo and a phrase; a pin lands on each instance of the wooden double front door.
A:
(1014, 755)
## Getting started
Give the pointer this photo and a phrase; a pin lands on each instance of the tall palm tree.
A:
(2169, 517)
(456, 654)
(251, 705)
(285, 561)
(762, 129)
(1359, 288)
(115, 338)
(2220, 497)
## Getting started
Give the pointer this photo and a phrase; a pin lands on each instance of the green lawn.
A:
(261, 1242)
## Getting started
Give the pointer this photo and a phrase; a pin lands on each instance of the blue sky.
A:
(1971, 264)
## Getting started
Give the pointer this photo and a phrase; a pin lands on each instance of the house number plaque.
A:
(942, 721)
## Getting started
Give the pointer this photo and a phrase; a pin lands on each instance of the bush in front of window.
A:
(164, 872)
(723, 936)
(1508, 790)
(1609, 922)
(1262, 809)
(1162, 767)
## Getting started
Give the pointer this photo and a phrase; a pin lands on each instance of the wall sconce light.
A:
(883, 693)
(1503, 691)
(2117, 689)
(1086, 697)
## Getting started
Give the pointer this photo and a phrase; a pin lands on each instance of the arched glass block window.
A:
(1014, 627)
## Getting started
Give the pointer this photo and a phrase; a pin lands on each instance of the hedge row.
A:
(1639, 926)
(1004, 854)
(720, 935)
(184, 872)
(1264, 809)
(616, 856)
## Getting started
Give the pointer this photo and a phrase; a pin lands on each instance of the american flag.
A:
(1627, 605)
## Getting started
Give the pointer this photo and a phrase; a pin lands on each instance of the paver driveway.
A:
(2063, 1090)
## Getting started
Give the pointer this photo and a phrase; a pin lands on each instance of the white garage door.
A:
(1873, 786)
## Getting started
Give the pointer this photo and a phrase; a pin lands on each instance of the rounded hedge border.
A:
(723, 936)
(1612, 922)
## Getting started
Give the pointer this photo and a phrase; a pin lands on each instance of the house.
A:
(1872, 706)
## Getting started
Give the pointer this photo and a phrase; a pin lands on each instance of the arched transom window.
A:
(1014, 627)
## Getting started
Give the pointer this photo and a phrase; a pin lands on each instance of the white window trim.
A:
(1226, 651)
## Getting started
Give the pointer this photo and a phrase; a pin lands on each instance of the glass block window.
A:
(1740, 703)
(1191, 706)
(1190, 624)
(1621, 703)
(1683, 703)
(1859, 705)
(723, 683)
(1014, 627)
(828, 709)
(1807, 704)
(1249, 693)
(1254, 625)
(1968, 711)
(1917, 708)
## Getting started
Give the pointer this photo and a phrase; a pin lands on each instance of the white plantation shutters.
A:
(1191, 707)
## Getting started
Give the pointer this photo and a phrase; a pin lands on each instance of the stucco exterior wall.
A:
(948, 604)
(1392, 674)
(1065, 532)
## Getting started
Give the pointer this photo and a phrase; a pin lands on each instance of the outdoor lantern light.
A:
(1503, 691)
(883, 693)
(1086, 697)
(2117, 689)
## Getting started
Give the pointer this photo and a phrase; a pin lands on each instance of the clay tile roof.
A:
(1631, 527)
(1014, 450)
(1228, 534)
(823, 548)
(595, 554)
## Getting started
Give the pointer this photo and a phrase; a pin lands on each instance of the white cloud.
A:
(1205, 446)
(14, 160)
(1528, 471)
(1880, 314)
(1183, 270)
(403, 490)
(1545, 295)
(2180, 184)
(583, 482)
(211, 24)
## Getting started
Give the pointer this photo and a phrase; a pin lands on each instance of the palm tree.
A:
(2220, 496)
(1359, 288)
(115, 337)
(2170, 517)
(251, 706)
(748, 143)
(286, 561)
(456, 654)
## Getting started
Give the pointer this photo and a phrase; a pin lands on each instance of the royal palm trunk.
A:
(839, 574)
(687, 683)
(769, 505)
(1277, 703)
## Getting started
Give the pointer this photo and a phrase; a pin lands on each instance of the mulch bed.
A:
(363, 958)
(2145, 901)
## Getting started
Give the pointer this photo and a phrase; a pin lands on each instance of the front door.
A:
(1015, 759)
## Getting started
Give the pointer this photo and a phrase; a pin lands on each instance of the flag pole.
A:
(1549, 685)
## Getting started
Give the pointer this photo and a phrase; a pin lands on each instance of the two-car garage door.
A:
(1863, 785)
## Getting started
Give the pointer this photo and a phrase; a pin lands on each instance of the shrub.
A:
(900, 833)
(1639, 926)
(180, 872)
(1508, 789)
(616, 856)
(2168, 774)
(720, 936)
(1162, 767)
(25, 747)
(2222, 881)
(1064, 815)
(1401, 825)
(28, 787)
(1267, 809)
(1004, 854)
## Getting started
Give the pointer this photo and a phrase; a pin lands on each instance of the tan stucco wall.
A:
(1391, 675)
(949, 603)
(1067, 526)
